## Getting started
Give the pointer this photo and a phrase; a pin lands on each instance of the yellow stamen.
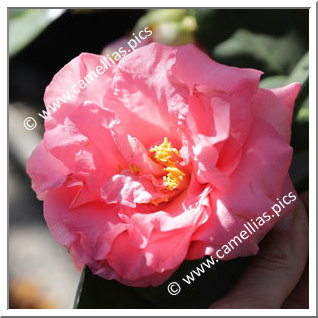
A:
(173, 178)
(168, 156)
(164, 153)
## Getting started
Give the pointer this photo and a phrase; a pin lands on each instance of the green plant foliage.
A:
(300, 72)
(26, 24)
(277, 54)
(273, 81)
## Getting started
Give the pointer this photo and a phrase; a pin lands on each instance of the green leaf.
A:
(218, 25)
(303, 113)
(96, 292)
(277, 54)
(273, 81)
(301, 74)
(26, 24)
(302, 101)
(301, 71)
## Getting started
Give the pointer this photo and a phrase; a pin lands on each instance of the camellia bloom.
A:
(163, 157)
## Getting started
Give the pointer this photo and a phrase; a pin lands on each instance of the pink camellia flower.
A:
(162, 157)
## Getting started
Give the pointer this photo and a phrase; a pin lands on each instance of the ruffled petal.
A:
(261, 174)
(204, 142)
(76, 82)
(84, 143)
(143, 96)
(128, 189)
(87, 230)
(50, 174)
(261, 178)
(148, 236)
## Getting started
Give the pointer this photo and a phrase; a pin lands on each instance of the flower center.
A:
(168, 157)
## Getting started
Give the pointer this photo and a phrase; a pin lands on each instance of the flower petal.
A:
(276, 107)
(208, 73)
(128, 190)
(76, 82)
(50, 174)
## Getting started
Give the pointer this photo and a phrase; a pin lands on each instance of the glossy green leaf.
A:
(26, 24)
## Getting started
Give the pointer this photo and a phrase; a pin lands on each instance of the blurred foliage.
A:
(300, 74)
(277, 54)
(26, 24)
(218, 25)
